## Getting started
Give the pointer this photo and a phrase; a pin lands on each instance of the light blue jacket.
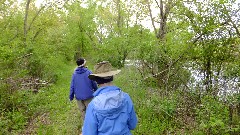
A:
(111, 112)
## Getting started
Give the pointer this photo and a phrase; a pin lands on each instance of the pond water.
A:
(224, 85)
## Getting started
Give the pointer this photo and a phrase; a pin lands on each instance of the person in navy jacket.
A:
(82, 87)
(111, 112)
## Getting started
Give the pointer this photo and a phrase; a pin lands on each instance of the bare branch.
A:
(236, 28)
(167, 8)
(37, 33)
(174, 62)
(230, 20)
(152, 20)
(25, 20)
(34, 18)
(15, 36)
(157, 4)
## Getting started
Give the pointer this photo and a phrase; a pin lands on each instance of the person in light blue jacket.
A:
(82, 87)
(111, 112)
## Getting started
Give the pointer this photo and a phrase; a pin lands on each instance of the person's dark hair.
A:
(101, 80)
(80, 61)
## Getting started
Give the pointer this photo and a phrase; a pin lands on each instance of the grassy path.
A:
(64, 115)
(61, 117)
(57, 115)
(156, 110)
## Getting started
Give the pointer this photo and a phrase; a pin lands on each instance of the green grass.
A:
(51, 112)
(64, 116)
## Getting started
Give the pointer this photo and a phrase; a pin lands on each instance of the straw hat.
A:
(103, 69)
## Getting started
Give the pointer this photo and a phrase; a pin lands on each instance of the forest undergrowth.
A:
(159, 112)
(60, 116)
(48, 111)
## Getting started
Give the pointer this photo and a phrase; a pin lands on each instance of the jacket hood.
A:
(80, 70)
(109, 100)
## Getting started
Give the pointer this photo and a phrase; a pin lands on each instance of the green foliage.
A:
(117, 49)
(155, 113)
(200, 35)
(39, 57)
(81, 30)
(159, 115)
(212, 116)
(15, 117)
(30, 110)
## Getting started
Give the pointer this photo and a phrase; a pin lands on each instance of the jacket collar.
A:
(105, 89)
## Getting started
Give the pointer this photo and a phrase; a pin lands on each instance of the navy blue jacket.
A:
(81, 86)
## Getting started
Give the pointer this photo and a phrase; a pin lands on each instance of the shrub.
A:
(212, 116)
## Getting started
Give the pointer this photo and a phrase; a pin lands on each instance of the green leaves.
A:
(212, 116)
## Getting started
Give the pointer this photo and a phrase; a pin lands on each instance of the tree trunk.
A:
(119, 20)
(164, 12)
(25, 22)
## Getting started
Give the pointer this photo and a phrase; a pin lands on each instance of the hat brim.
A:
(106, 74)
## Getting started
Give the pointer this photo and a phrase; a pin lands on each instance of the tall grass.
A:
(47, 112)
(159, 112)
(155, 113)
(64, 116)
